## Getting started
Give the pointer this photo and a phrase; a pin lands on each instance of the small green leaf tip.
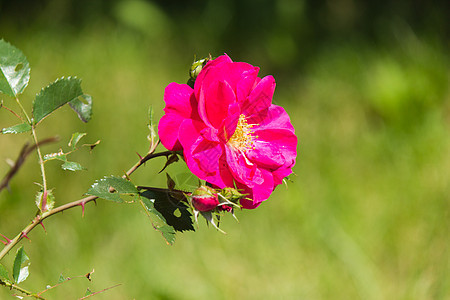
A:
(14, 70)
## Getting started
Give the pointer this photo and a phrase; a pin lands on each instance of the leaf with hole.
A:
(169, 209)
(101, 188)
(83, 107)
(14, 70)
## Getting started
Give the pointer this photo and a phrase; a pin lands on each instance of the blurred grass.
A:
(367, 214)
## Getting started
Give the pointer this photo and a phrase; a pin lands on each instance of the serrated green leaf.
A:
(72, 166)
(76, 137)
(57, 155)
(20, 259)
(167, 232)
(83, 107)
(121, 186)
(19, 128)
(168, 209)
(158, 221)
(55, 95)
(45, 204)
(3, 272)
(14, 70)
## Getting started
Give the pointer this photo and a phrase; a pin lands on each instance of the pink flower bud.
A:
(205, 199)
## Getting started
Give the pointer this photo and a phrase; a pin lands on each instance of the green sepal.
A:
(55, 95)
(101, 188)
(14, 70)
(49, 202)
(20, 272)
(19, 128)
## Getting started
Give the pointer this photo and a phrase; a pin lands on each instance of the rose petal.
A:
(210, 64)
(245, 85)
(259, 99)
(230, 123)
(259, 192)
(274, 148)
(168, 131)
(180, 104)
(242, 169)
(280, 174)
(275, 117)
(232, 73)
(217, 100)
(178, 100)
(203, 155)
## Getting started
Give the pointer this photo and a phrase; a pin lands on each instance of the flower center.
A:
(243, 137)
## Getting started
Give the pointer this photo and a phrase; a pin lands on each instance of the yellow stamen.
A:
(243, 137)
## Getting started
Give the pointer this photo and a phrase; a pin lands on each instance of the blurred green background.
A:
(366, 84)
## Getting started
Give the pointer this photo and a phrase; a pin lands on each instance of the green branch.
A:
(81, 202)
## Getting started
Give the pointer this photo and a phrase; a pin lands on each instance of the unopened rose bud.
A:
(232, 194)
(195, 69)
(205, 198)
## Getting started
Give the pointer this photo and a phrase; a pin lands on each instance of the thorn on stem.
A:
(82, 207)
(7, 240)
(140, 157)
(42, 224)
(24, 235)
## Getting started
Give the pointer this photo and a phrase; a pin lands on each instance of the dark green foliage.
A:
(171, 213)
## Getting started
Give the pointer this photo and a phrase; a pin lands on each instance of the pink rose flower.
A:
(229, 131)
